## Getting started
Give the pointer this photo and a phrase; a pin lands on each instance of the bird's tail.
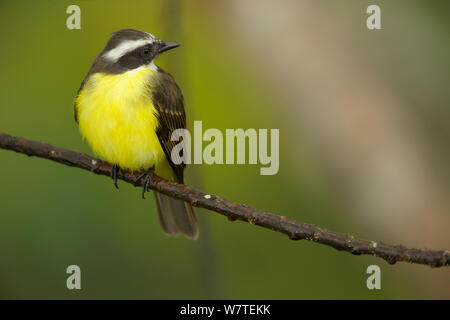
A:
(176, 216)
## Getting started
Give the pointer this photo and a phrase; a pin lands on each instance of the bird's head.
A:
(129, 49)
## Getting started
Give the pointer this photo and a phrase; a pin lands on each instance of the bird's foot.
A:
(148, 176)
(114, 170)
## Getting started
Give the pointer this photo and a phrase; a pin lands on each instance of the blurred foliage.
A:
(53, 216)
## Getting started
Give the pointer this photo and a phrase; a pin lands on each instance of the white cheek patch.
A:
(124, 47)
(152, 66)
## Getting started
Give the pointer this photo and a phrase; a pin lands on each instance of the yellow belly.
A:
(117, 118)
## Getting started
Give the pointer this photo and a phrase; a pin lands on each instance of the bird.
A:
(126, 109)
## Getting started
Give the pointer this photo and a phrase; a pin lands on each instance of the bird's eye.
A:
(146, 51)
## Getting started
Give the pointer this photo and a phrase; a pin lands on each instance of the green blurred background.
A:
(364, 135)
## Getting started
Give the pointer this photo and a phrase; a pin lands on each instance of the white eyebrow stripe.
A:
(125, 47)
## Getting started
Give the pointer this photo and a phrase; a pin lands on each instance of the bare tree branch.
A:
(234, 211)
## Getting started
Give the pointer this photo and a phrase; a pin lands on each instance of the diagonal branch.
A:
(234, 211)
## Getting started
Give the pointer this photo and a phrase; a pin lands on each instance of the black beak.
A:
(167, 46)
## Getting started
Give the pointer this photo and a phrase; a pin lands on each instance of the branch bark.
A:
(232, 210)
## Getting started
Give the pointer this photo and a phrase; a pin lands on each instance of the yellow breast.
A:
(117, 118)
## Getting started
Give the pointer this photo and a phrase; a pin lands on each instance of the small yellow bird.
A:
(127, 108)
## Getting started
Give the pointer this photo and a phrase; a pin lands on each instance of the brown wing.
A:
(168, 101)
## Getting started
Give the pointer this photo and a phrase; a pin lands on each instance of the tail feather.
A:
(176, 216)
